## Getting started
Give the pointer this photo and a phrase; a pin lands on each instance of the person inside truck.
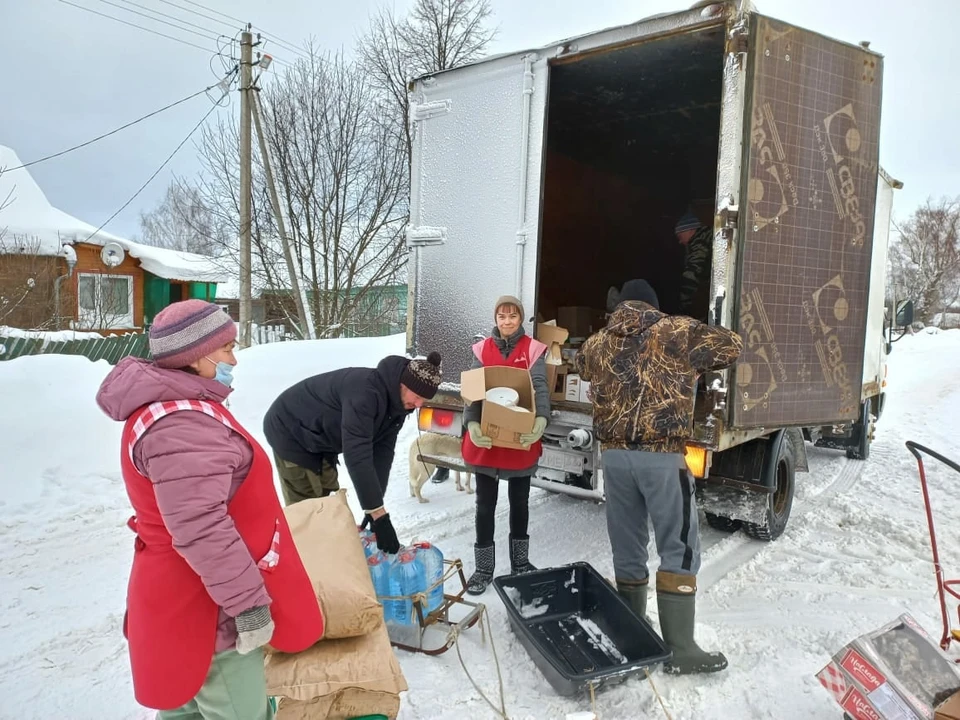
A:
(642, 368)
(355, 411)
(508, 345)
(697, 240)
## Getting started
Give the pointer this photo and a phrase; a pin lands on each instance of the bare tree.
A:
(182, 220)
(340, 177)
(435, 35)
(925, 261)
(27, 276)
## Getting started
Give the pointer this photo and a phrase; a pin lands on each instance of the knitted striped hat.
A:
(186, 331)
(688, 221)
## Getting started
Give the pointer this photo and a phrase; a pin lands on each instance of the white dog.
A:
(432, 445)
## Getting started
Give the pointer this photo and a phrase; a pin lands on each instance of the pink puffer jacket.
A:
(196, 465)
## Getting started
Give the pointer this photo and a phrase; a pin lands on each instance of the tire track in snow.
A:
(743, 549)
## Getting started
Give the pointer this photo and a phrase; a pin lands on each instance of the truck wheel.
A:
(780, 502)
(863, 431)
(723, 524)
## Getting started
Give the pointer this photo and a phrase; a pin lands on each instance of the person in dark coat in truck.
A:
(354, 411)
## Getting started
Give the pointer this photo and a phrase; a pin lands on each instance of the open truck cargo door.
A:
(475, 200)
(809, 184)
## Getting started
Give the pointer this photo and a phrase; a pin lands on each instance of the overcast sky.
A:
(70, 75)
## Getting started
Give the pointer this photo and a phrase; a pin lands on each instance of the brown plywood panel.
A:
(806, 227)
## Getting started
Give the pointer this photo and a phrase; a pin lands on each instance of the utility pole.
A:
(303, 307)
(246, 193)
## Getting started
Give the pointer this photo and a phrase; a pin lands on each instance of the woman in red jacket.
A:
(508, 345)
(215, 572)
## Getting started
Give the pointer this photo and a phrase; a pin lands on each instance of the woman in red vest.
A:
(508, 345)
(215, 574)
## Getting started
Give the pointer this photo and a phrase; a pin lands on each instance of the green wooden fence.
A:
(111, 349)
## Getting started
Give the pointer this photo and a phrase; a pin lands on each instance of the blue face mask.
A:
(224, 374)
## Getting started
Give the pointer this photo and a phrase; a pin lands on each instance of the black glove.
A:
(366, 521)
(386, 535)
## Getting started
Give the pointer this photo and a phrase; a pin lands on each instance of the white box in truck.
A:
(558, 172)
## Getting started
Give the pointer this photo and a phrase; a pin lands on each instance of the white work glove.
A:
(254, 629)
(477, 437)
(528, 439)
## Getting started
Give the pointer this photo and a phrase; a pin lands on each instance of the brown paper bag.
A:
(326, 537)
(338, 679)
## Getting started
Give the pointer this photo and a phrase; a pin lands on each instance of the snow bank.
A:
(854, 556)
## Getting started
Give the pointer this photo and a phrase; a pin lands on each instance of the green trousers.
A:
(235, 689)
(299, 483)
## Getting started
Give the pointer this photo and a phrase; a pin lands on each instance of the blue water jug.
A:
(379, 566)
(432, 560)
(407, 578)
(369, 542)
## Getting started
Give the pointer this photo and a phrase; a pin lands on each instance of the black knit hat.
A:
(423, 376)
(633, 290)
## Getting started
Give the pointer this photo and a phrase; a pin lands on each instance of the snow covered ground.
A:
(854, 556)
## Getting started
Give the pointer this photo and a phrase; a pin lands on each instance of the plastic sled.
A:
(577, 630)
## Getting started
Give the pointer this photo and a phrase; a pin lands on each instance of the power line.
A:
(139, 27)
(112, 132)
(232, 24)
(157, 171)
(216, 12)
(169, 16)
(153, 19)
(290, 47)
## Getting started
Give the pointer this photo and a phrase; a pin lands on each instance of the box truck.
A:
(556, 173)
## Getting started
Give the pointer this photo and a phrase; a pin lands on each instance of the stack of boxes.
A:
(563, 337)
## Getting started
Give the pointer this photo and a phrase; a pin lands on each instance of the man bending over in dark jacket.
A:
(354, 411)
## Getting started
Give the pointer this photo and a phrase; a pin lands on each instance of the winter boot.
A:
(635, 593)
(442, 474)
(676, 602)
(486, 558)
(519, 549)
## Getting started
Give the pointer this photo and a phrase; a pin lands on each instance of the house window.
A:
(105, 301)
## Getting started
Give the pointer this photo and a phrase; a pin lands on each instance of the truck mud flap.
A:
(749, 506)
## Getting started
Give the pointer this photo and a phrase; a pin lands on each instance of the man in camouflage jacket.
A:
(642, 369)
(698, 241)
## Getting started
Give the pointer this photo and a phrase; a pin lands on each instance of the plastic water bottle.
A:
(379, 566)
(369, 542)
(406, 578)
(432, 560)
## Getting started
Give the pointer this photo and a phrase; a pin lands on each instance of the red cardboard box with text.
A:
(501, 424)
(894, 673)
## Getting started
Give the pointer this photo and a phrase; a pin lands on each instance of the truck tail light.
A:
(437, 420)
(696, 458)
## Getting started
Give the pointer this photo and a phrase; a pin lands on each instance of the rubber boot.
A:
(635, 593)
(519, 555)
(676, 602)
(486, 558)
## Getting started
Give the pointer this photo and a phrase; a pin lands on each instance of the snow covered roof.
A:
(28, 213)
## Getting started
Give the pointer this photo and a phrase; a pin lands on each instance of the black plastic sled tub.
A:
(576, 628)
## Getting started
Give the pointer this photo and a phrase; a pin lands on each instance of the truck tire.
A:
(723, 524)
(863, 432)
(779, 502)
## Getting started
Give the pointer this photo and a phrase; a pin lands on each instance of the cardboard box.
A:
(581, 321)
(557, 381)
(949, 709)
(895, 673)
(501, 424)
(572, 393)
(553, 337)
